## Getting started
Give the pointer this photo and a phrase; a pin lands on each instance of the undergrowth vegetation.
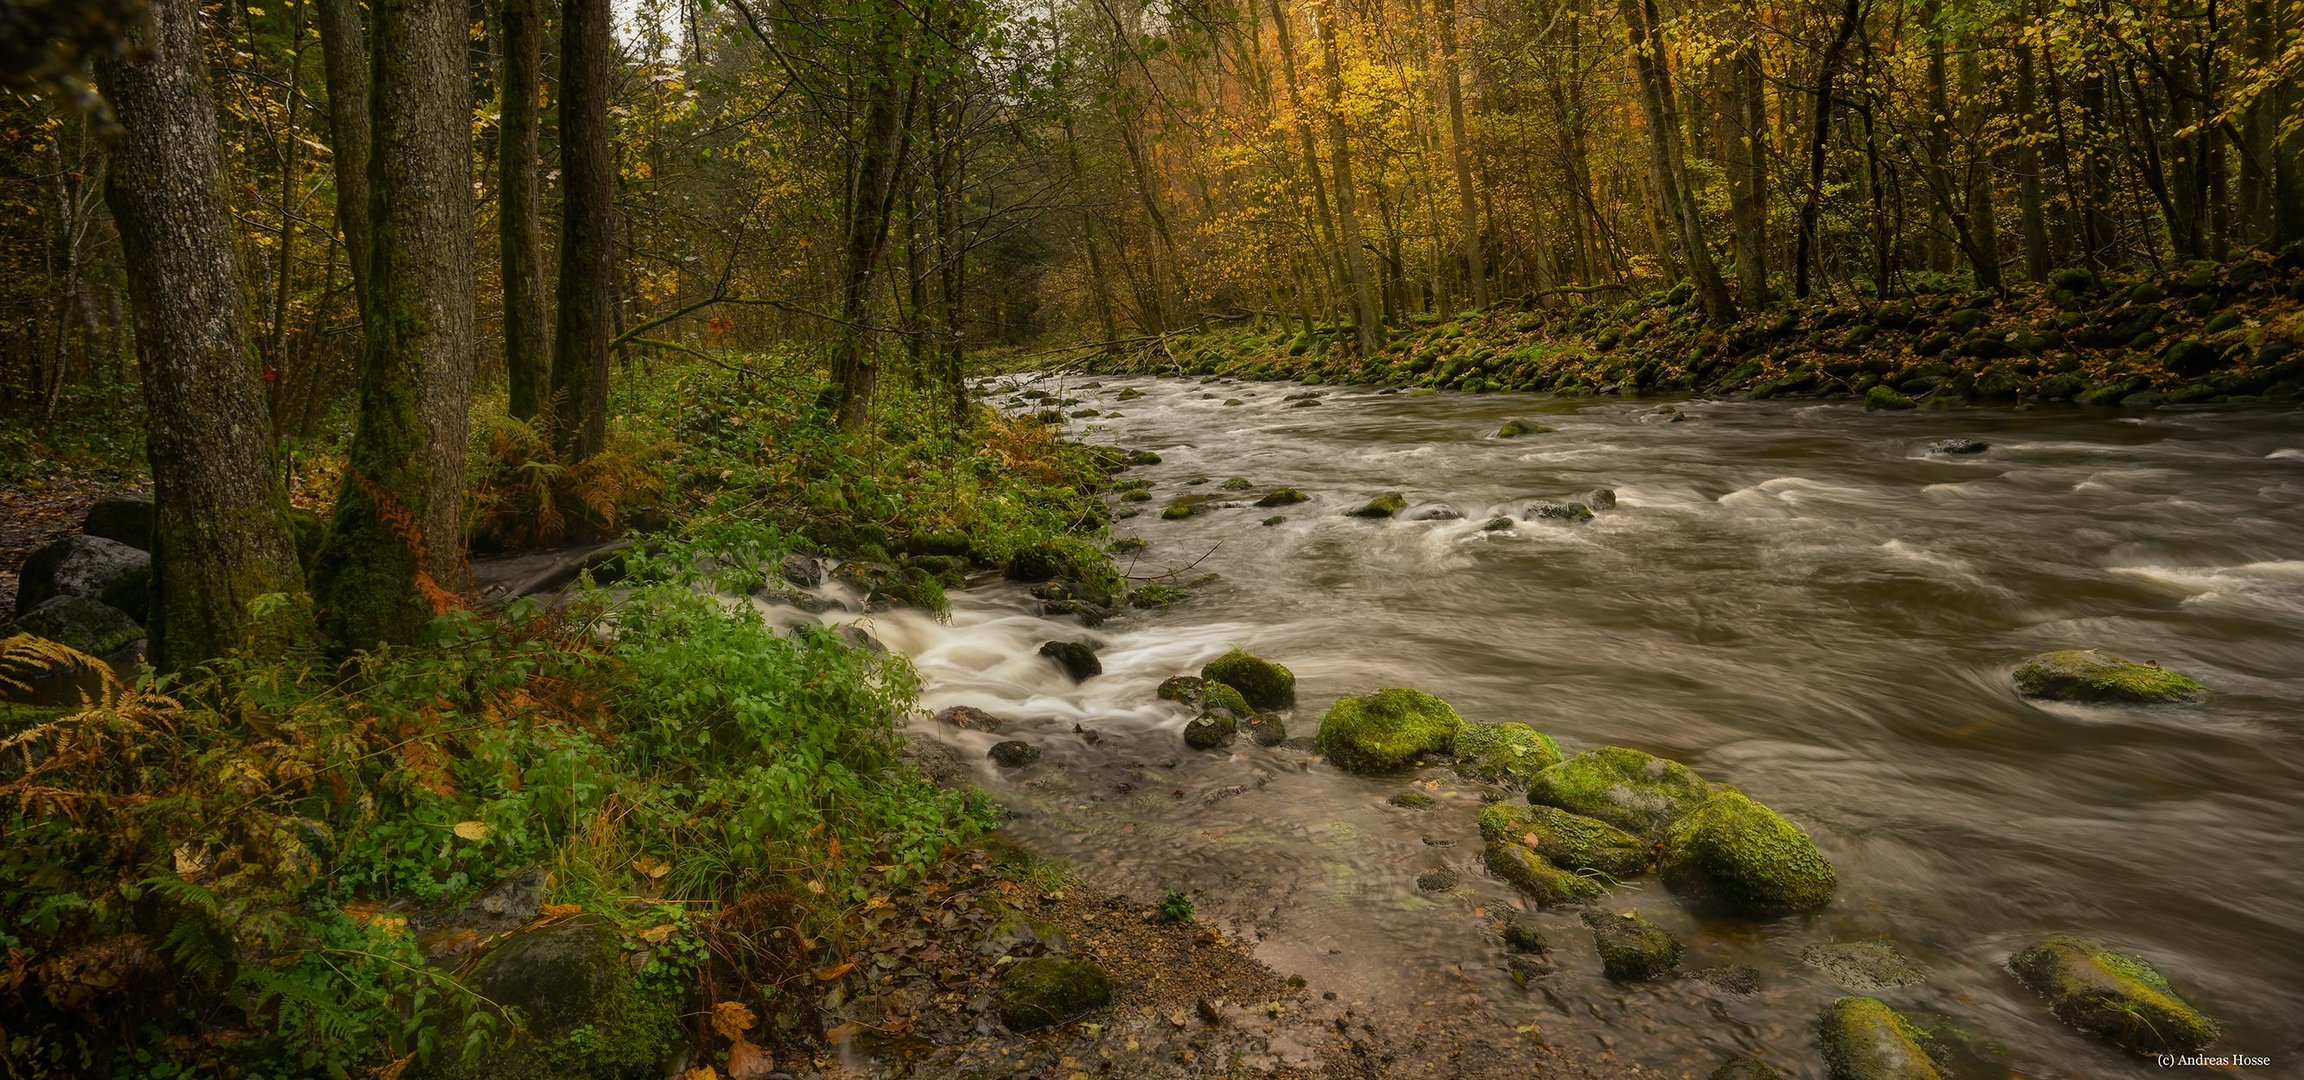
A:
(240, 873)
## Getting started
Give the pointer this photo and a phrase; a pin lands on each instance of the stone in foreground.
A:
(1262, 683)
(1389, 730)
(1047, 990)
(1632, 790)
(2112, 996)
(1864, 1039)
(2096, 676)
(1631, 947)
(1737, 856)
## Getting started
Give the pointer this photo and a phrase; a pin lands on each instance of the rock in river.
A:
(1631, 947)
(1013, 754)
(1262, 683)
(1282, 496)
(1635, 791)
(1077, 659)
(1512, 753)
(1864, 1039)
(1386, 731)
(1383, 506)
(1569, 841)
(2112, 996)
(1735, 855)
(1211, 730)
(1048, 990)
(2092, 675)
(1958, 446)
(1546, 884)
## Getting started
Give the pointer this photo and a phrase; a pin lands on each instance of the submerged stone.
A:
(1546, 884)
(2092, 675)
(1958, 446)
(1412, 800)
(1386, 731)
(1266, 729)
(1632, 790)
(1262, 683)
(1864, 967)
(1558, 511)
(1864, 1039)
(1282, 496)
(1569, 841)
(1738, 856)
(1013, 753)
(1383, 506)
(1076, 658)
(1503, 752)
(2113, 996)
(1211, 730)
(1631, 947)
(1047, 990)
(1523, 938)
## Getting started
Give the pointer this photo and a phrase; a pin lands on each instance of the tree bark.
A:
(221, 538)
(872, 188)
(1475, 273)
(395, 554)
(587, 232)
(1743, 134)
(1978, 224)
(2039, 257)
(1827, 70)
(519, 201)
(1368, 327)
(344, 62)
(1665, 168)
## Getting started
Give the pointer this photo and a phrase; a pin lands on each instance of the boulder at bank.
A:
(1631, 947)
(1047, 990)
(1735, 855)
(1864, 1039)
(2112, 996)
(1262, 683)
(1632, 790)
(2096, 676)
(1569, 841)
(1077, 659)
(85, 566)
(1497, 753)
(1546, 884)
(1386, 731)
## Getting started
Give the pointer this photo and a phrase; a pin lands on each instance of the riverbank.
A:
(2204, 333)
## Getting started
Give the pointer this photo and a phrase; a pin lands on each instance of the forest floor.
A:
(2200, 333)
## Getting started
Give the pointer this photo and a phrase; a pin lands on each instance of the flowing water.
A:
(1794, 598)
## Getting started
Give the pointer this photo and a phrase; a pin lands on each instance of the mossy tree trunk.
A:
(527, 344)
(1367, 323)
(221, 537)
(344, 59)
(587, 234)
(394, 557)
(1666, 169)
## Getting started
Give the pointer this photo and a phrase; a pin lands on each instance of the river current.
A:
(1796, 598)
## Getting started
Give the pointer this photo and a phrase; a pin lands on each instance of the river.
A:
(1796, 598)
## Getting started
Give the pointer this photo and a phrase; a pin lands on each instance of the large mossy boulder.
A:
(1504, 753)
(85, 566)
(1546, 884)
(1046, 990)
(1264, 684)
(1864, 1039)
(1569, 841)
(2096, 676)
(1735, 855)
(582, 1014)
(2112, 996)
(81, 622)
(1632, 948)
(1630, 789)
(1389, 730)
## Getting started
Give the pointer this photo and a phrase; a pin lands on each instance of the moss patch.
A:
(1504, 752)
(1383, 506)
(1569, 841)
(1864, 1039)
(1546, 884)
(1632, 948)
(1736, 855)
(2112, 996)
(1386, 731)
(2092, 675)
(1049, 990)
(1627, 788)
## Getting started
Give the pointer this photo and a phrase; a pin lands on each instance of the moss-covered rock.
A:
(1412, 800)
(1262, 683)
(1078, 659)
(1282, 496)
(582, 1015)
(2112, 996)
(1128, 393)
(1864, 1039)
(1741, 1067)
(1631, 947)
(1546, 884)
(1569, 841)
(1047, 990)
(1211, 730)
(1632, 790)
(1553, 510)
(1738, 856)
(1237, 483)
(1515, 428)
(1510, 753)
(1386, 731)
(1181, 688)
(1884, 398)
(1265, 729)
(2092, 675)
(1383, 506)
(1013, 753)
(1521, 937)
(81, 622)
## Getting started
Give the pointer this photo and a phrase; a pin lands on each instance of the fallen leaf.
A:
(471, 830)
(749, 1062)
(560, 911)
(835, 971)
(732, 1019)
(652, 866)
(655, 935)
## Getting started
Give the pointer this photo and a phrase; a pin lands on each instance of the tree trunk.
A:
(1340, 274)
(519, 201)
(872, 188)
(1826, 71)
(1369, 328)
(344, 60)
(1667, 172)
(1475, 273)
(395, 554)
(587, 231)
(1744, 135)
(2039, 257)
(1979, 226)
(220, 534)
